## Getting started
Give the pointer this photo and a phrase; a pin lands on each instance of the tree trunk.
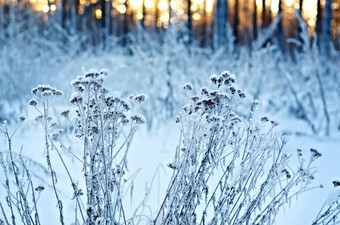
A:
(103, 22)
(300, 7)
(300, 24)
(279, 27)
(221, 17)
(125, 24)
(156, 16)
(143, 11)
(263, 12)
(170, 12)
(318, 28)
(327, 28)
(204, 30)
(255, 21)
(63, 14)
(189, 24)
(236, 20)
(108, 18)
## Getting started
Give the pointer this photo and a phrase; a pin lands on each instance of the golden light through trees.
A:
(201, 10)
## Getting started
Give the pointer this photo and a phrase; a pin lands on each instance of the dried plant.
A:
(229, 170)
(106, 129)
(21, 194)
(106, 125)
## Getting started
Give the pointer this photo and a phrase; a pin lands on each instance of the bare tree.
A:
(318, 28)
(327, 29)
(63, 14)
(279, 31)
(263, 13)
(220, 23)
(236, 20)
(189, 22)
(255, 20)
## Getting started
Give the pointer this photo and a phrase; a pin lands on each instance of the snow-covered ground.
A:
(149, 154)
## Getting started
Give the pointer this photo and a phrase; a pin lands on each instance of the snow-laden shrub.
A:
(312, 84)
(228, 169)
(106, 125)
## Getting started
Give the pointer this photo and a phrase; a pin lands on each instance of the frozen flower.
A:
(172, 166)
(125, 121)
(299, 152)
(39, 188)
(187, 108)
(177, 119)
(55, 135)
(104, 72)
(274, 123)
(336, 183)
(255, 102)
(220, 80)
(91, 74)
(213, 79)
(264, 119)
(204, 91)
(241, 94)
(34, 91)
(225, 74)
(131, 97)
(57, 93)
(213, 93)
(232, 90)
(139, 119)
(46, 93)
(22, 118)
(126, 106)
(75, 98)
(140, 98)
(285, 172)
(65, 113)
(194, 98)
(33, 102)
(38, 118)
(187, 87)
(315, 153)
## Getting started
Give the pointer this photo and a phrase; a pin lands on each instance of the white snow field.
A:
(149, 154)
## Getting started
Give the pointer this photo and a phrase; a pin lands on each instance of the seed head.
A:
(140, 98)
(187, 87)
(39, 188)
(65, 113)
(315, 153)
(264, 119)
(33, 102)
(46, 93)
(213, 79)
(22, 118)
(336, 183)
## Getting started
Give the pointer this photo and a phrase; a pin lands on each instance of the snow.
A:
(333, 196)
(152, 150)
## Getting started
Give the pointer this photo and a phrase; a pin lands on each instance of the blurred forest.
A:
(284, 52)
(203, 21)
